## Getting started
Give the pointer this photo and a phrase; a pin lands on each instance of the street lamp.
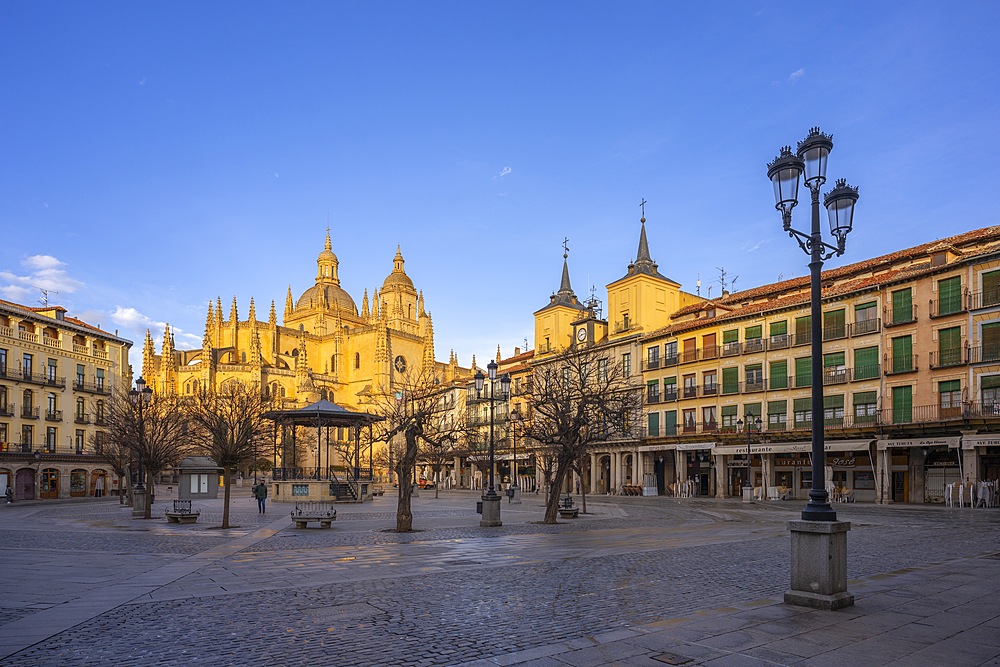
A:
(515, 420)
(784, 172)
(491, 501)
(752, 421)
(139, 397)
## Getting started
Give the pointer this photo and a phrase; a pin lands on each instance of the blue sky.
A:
(154, 156)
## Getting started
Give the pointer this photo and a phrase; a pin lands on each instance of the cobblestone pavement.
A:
(96, 587)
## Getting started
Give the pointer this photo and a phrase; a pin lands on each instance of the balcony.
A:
(987, 354)
(53, 415)
(709, 389)
(6, 409)
(779, 342)
(691, 391)
(752, 345)
(835, 332)
(652, 398)
(752, 386)
(710, 352)
(688, 356)
(941, 308)
(953, 357)
(100, 420)
(95, 387)
(803, 380)
(802, 338)
(985, 299)
(651, 364)
(897, 365)
(900, 316)
(81, 418)
(866, 373)
(780, 381)
(699, 427)
(669, 395)
(866, 327)
(731, 349)
(670, 361)
(835, 375)
(28, 412)
(51, 342)
(42, 379)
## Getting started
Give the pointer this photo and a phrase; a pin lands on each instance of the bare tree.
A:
(118, 457)
(577, 399)
(412, 414)
(229, 426)
(152, 427)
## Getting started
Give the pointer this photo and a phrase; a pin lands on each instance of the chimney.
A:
(517, 351)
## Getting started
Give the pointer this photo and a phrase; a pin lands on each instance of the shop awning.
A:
(804, 446)
(951, 442)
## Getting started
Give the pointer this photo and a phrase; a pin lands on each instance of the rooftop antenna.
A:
(698, 285)
(722, 279)
(44, 298)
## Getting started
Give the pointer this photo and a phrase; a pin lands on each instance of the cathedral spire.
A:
(272, 319)
(288, 303)
(207, 340)
(364, 306)
(498, 354)
(252, 317)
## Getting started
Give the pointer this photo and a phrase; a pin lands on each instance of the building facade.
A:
(56, 374)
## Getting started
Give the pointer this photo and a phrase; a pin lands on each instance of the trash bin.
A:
(479, 507)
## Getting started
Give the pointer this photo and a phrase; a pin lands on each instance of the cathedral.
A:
(325, 348)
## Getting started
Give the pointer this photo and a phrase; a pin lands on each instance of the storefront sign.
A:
(842, 463)
(689, 446)
(786, 447)
(792, 463)
(971, 442)
(919, 442)
(658, 448)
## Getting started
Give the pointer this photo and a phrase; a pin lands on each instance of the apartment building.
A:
(56, 374)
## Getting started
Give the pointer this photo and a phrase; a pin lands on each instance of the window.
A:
(50, 406)
(80, 375)
(990, 338)
(779, 334)
(803, 372)
(52, 368)
(3, 363)
(690, 423)
(753, 332)
(902, 354)
(50, 439)
(864, 479)
(100, 411)
(950, 346)
(690, 350)
(777, 414)
(730, 336)
(865, 318)
(753, 342)
(708, 346)
(653, 391)
(653, 357)
(865, 407)
(989, 386)
(866, 363)
(670, 388)
(710, 383)
(802, 412)
(27, 400)
(626, 364)
(729, 417)
(730, 380)
(777, 374)
(100, 379)
(834, 368)
(199, 483)
(78, 441)
(602, 371)
(670, 422)
(26, 365)
(80, 408)
(834, 324)
(752, 409)
(755, 377)
(670, 353)
(950, 392)
(27, 436)
(833, 410)
(690, 386)
(902, 306)
(708, 417)
(357, 360)
(803, 330)
(950, 295)
(654, 424)
(991, 288)
(902, 405)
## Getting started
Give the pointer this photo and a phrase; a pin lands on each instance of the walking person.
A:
(10, 494)
(260, 493)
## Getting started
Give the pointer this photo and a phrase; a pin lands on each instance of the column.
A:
(721, 486)
(638, 469)
(593, 473)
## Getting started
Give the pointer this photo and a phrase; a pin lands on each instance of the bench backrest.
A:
(313, 508)
(182, 505)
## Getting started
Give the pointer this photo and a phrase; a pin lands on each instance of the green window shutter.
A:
(989, 382)
(802, 412)
(991, 288)
(729, 410)
(866, 363)
(753, 332)
(865, 407)
(990, 335)
(836, 401)
(949, 386)
(833, 324)
(902, 305)
(654, 424)
(670, 422)
(730, 336)
(950, 295)
(730, 380)
(950, 346)
(902, 404)
(833, 359)
(865, 397)
(803, 371)
(778, 374)
(752, 409)
(781, 328)
(864, 307)
(777, 407)
(902, 354)
(803, 329)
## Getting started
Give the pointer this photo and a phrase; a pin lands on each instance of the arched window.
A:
(27, 399)
(79, 408)
(282, 392)
(333, 363)
(100, 411)
(243, 357)
(357, 360)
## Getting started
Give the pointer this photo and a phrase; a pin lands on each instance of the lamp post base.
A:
(491, 512)
(138, 503)
(515, 497)
(748, 494)
(819, 565)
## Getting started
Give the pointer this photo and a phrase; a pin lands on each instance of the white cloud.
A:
(796, 75)
(45, 272)
(503, 172)
(132, 319)
(757, 245)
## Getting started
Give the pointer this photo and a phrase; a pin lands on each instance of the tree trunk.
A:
(121, 489)
(404, 475)
(148, 509)
(225, 501)
(552, 503)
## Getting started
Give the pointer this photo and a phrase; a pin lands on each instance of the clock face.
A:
(400, 364)
(581, 334)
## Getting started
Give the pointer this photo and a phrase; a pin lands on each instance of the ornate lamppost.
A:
(139, 396)
(819, 541)
(752, 422)
(515, 421)
(491, 501)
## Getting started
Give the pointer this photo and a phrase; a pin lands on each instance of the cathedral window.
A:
(357, 360)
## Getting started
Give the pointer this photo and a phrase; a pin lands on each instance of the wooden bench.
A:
(182, 513)
(567, 509)
(320, 512)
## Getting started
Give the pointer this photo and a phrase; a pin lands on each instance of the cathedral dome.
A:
(315, 296)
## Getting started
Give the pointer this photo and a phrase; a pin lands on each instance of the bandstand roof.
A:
(323, 413)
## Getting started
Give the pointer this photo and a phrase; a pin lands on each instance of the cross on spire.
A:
(642, 205)
(565, 247)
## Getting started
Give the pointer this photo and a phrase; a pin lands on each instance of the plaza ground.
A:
(635, 581)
